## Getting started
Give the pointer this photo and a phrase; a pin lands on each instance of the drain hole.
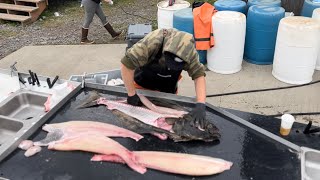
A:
(28, 118)
(297, 131)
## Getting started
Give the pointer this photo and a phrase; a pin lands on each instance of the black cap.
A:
(175, 63)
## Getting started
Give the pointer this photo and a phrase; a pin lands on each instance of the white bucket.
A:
(165, 12)
(229, 28)
(316, 15)
(296, 50)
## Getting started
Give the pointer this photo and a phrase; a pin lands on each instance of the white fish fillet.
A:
(178, 163)
(162, 110)
(98, 143)
(75, 128)
(145, 115)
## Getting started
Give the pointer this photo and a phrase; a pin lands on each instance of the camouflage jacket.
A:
(176, 42)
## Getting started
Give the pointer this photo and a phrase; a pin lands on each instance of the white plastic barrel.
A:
(296, 49)
(316, 15)
(229, 28)
(165, 12)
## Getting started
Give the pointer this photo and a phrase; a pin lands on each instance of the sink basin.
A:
(24, 105)
(8, 128)
(310, 164)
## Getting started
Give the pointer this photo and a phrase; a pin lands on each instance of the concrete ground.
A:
(66, 60)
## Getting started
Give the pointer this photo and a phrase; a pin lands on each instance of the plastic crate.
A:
(136, 32)
(98, 77)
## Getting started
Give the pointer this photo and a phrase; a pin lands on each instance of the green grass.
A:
(8, 33)
(68, 9)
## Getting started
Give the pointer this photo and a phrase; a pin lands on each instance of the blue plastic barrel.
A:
(276, 3)
(231, 5)
(183, 21)
(261, 33)
(308, 7)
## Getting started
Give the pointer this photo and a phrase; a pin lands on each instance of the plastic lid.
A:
(177, 5)
(185, 13)
(261, 9)
(229, 15)
(264, 1)
(231, 3)
(300, 22)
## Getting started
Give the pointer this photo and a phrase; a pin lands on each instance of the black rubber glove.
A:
(134, 100)
(198, 115)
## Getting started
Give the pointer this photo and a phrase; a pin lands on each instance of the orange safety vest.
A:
(203, 30)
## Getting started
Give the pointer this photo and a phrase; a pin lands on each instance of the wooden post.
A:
(294, 6)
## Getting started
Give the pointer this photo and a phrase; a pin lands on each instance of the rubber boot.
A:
(112, 32)
(84, 37)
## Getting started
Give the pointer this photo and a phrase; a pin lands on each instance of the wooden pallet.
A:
(24, 11)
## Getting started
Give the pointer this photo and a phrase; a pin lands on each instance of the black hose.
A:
(296, 114)
(260, 90)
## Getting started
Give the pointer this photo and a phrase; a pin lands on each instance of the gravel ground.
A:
(65, 29)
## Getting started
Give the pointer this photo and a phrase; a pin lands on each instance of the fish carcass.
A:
(164, 121)
(178, 163)
(74, 128)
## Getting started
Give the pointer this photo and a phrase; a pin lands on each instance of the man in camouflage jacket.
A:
(156, 62)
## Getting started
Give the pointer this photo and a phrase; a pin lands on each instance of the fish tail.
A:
(90, 101)
(132, 161)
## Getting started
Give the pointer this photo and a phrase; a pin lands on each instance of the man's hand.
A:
(198, 115)
(134, 100)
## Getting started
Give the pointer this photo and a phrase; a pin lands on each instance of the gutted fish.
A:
(98, 143)
(32, 151)
(175, 124)
(25, 144)
(178, 163)
(60, 130)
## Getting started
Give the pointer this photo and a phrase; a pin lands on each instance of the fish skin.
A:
(177, 163)
(58, 131)
(186, 132)
(98, 143)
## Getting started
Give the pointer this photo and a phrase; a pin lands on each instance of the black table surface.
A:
(254, 156)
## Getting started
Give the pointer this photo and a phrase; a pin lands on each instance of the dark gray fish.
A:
(183, 131)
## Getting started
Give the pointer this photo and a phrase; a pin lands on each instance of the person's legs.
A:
(106, 24)
(90, 9)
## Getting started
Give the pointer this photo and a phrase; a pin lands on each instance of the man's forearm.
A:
(127, 77)
(200, 87)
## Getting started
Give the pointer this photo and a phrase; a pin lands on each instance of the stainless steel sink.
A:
(310, 164)
(23, 111)
(24, 105)
(8, 128)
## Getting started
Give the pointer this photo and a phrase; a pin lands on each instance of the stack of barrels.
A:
(261, 32)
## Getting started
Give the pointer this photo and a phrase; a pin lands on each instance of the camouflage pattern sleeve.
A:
(195, 69)
(143, 51)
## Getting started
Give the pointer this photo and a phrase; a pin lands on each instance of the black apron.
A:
(157, 77)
